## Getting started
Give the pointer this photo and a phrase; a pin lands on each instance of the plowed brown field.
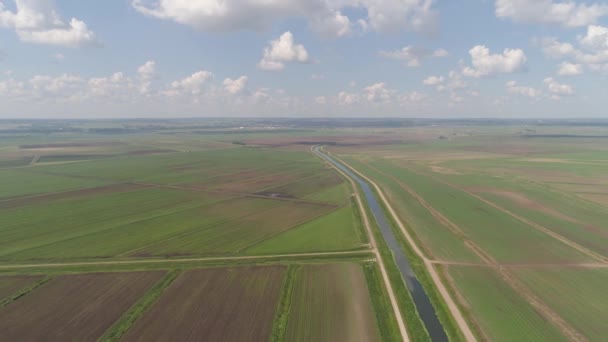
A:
(73, 307)
(221, 304)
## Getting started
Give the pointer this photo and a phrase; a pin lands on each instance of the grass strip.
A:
(22, 292)
(279, 326)
(120, 327)
(164, 264)
(385, 320)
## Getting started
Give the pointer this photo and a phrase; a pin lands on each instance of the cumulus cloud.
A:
(147, 72)
(345, 98)
(235, 86)
(564, 13)
(37, 21)
(591, 51)
(281, 51)
(433, 80)
(558, 89)
(555, 49)
(569, 69)
(324, 16)
(514, 88)
(378, 92)
(191, 85)
(486, 64)
(411, 56)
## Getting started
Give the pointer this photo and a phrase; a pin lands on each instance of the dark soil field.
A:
(9, 285)
(223, 304)
(73, 307)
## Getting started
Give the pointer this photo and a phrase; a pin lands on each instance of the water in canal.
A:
(421, 300)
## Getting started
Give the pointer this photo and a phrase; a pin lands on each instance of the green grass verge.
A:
(385, 319)
(279, 326)
(415, 327)
(449, 324)
(22, 292)
(120, 327)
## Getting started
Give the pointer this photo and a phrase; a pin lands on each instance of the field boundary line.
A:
(392, 297)
(541, 307)
(539, 227)
(122, 224)
(24, 291)
(295, 226)
(453, 308)
(200, 228)
(176, 260)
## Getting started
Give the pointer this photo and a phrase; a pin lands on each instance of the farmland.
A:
(330, 303)
(515, 225)
(243, 303)
(70, 306)
(251, 226)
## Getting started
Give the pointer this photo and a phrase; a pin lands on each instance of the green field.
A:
(244, 233)
(585, 305)
(499, 312)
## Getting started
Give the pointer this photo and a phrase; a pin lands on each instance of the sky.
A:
(304, 58)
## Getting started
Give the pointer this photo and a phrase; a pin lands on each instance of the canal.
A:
(421, 300)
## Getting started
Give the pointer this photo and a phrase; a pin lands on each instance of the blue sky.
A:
(331, 58)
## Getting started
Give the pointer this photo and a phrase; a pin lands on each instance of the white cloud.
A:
(37, 21)
(323, 16)
(317, 77)
(412, 98)
(569, 69)
(486, 64)
(321, 100)
(434, 80)
(441, 53)
(396, 15)
(591, 52)
(412, 56)
(555, 49)
(146, 72)
(235, 86)
(281, 51)
(378, 92)
(56, 85)
(345, 98)
(12, 89)
(514, 88)
(191, 85)
(557, 88)
(564, 13)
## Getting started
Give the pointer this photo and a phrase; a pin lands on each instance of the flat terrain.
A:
(516, 220)
(118, 227)
(79, 307)
(331, 303)
(10, 284)
(221, 304)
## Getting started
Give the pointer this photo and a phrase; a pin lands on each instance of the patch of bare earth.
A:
(74, 307)
(10, 284)
(219, 304)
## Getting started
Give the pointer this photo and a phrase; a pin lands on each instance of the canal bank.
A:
(421, 300)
